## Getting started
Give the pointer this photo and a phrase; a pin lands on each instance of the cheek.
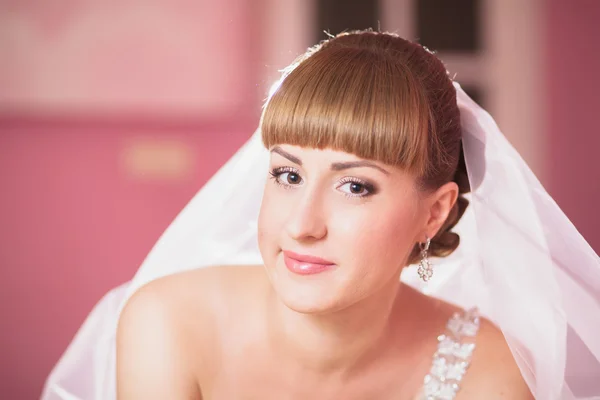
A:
(270, 220)
(377, 234)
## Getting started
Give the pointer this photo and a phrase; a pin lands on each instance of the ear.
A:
(439, 205)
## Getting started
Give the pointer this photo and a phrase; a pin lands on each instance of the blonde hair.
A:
(380, 97)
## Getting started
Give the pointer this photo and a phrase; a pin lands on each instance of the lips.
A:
(303, 264)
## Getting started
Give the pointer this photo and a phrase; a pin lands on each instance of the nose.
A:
(306, 220)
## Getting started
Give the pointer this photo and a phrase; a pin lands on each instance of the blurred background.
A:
(114, 113)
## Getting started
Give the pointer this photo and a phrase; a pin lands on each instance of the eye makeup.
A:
(292, 177)
(288, 177)
(357, 185)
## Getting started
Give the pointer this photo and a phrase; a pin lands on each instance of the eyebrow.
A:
(337, 166)
(287, 155)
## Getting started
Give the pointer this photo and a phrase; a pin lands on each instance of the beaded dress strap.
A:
(452, 358)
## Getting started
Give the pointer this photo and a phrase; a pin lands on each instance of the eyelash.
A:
(277, 172)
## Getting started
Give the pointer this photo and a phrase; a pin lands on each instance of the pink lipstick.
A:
(304, 264)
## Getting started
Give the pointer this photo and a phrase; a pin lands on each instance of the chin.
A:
(308, 294)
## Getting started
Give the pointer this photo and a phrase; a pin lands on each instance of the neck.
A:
(339, 341)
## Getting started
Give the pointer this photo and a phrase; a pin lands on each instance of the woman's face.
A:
(362, 217)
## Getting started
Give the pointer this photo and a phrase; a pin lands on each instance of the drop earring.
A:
(425, 270)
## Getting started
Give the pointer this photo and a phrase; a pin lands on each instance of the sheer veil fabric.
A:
(521, 262)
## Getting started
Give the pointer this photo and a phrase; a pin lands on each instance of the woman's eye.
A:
(354, 189)
(285, 177)
(290, 178)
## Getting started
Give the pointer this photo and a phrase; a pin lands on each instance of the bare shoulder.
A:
(204, 291)
(165, 325)
(493, 373)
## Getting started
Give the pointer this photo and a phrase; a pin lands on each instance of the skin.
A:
(351, 332)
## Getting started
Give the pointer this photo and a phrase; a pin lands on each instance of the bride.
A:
(333, 269)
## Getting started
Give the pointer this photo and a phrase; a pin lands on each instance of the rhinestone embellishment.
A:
(425, 269)
(452, 358)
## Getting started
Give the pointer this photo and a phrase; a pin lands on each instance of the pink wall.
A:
(75, 224)
(573, 88)
(99, 100)
(177, 56)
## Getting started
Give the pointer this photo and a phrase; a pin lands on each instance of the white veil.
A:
(521, 261)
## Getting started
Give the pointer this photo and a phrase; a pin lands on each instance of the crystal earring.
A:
(425, 270)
